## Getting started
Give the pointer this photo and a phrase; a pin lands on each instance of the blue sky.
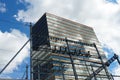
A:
(7, 19)
(7, 24)
(15, 16)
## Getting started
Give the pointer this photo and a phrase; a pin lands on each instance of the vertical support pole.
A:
(31, 68)
(93, 72)
(86, 66)
(112, 77)
(62, 69)
(72, 62)
(107, 73)
(26, 72)
(38, 72)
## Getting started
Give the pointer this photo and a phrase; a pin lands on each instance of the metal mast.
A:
(31, 71)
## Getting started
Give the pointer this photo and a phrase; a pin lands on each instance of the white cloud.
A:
(10, 43)
(2, 7)
(116, 72)
(102, 15)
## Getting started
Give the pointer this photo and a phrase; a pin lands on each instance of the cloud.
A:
(10, 43)
(102, 15)
(116, 71)
(2, 7)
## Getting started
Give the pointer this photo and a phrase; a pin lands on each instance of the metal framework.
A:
(46, 70)
(59, 51)
(115, 57)
(58, 58)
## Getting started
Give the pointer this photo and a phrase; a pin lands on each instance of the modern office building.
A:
(65, 50)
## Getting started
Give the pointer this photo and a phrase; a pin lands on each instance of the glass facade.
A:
(64, 50)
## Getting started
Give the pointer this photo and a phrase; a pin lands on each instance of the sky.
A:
(15, 16)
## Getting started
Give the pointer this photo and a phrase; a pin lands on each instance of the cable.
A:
(14, 57)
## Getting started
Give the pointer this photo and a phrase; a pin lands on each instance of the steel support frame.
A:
(72, 62)
(99, 56)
